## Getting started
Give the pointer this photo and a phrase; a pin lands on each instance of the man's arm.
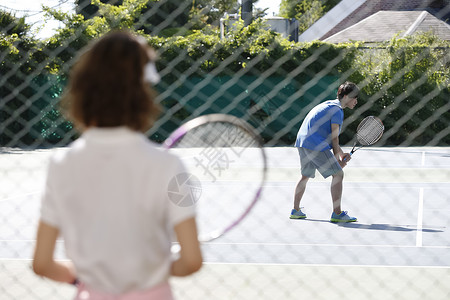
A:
(341, 157)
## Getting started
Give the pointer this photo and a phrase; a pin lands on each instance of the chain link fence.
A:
(399, 190)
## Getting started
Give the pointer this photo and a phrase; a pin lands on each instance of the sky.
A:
(273, 6)
(32, 9)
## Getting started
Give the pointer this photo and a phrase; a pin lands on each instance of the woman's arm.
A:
(43, 261)
(190, 259)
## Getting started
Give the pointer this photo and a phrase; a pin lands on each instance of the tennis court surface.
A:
(398, 249)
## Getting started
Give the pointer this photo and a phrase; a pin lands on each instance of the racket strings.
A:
(217, 135)
(369, 131)
(229, 162)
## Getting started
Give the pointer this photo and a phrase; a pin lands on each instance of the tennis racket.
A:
(369, 132)
(226, 170)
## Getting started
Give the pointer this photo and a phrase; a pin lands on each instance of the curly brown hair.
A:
(107, 86)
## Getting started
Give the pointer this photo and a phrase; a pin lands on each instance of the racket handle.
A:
(351, 152)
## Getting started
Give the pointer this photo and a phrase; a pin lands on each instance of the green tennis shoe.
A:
(297, 214)
(343, 217)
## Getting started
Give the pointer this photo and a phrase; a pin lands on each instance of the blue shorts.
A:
(322, 161)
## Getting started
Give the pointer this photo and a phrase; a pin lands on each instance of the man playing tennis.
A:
(318, 135)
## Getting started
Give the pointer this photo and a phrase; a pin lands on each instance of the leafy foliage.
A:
(210, 11)
(407, 83)
(307, 12)
(252, 72)
(9, 24)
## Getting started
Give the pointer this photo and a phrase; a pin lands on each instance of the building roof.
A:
(349, 12)
(384, 25)
(343, 11)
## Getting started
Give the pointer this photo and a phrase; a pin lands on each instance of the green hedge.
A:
(252, 73)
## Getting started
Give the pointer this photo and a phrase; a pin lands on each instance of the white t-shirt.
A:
(108, 196)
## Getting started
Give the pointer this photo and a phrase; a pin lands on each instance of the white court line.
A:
(423, 158)
(327, 265)
(268, 264)
(419, 242)
(322, 245)
(271, 244)
(274, 264)
(20, 196)
(359, 184)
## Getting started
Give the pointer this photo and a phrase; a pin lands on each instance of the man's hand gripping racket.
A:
(226, 170)
(369, 132)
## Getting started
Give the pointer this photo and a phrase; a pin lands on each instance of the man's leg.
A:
(336, 194)
(299, 191)
(336, 191)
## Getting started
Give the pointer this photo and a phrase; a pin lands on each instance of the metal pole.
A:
(247, 8)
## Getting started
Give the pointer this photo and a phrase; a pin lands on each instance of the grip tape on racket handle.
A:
(351, 152)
